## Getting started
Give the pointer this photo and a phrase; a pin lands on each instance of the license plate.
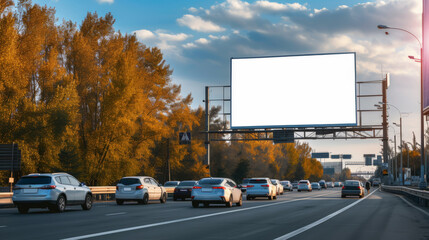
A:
(206, 189)
(30, 190)
(127, 189)
(183, 190)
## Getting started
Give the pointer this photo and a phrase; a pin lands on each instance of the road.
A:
(295, 215)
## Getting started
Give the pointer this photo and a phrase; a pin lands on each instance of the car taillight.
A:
(139, 187)
(342, 188)
(48, 187)
(195, 187)
(243, 186)
(219, 188)
(248, 186)
(265, 185)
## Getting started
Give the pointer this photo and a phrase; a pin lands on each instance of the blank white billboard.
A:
(294, 91)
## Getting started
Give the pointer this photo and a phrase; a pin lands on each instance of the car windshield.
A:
(34, 180)
(130, 181)
(209, 181)
(189, 183)
(170, 184)
(258, 181)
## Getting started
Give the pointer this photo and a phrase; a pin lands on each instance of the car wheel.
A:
(299, 190)
(270, 198)
(343, 196)
(119, 202)
(240, 202)
(88, 202)
(275, 197)
(229, 203)
(195, 204)
(163, 198)
(61, 204)
(145, 199)
(22, 208)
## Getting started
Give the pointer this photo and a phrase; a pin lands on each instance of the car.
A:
(279, 187)
(353, 188)
(376, 182)
(287, 185)
(261, 187)
(295, 185)
(216, 191)
(322, 184)
(330, 184)
(140, 189)
(316, 185)
(54, 191)
(337, 184)
(304, 185)
(170, 186)
(243, 185)
(184, 190)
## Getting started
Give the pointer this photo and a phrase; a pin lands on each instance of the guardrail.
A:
(419, 196)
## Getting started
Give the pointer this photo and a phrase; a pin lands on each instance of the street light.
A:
(423, 183)
(400, 135)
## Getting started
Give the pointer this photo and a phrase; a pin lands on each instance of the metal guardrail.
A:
(420, 196)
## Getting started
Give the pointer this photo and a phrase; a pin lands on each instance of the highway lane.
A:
(257, 219)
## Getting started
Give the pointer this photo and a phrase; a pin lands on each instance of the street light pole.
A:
(422, 184)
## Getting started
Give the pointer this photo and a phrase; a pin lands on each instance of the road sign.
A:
(336, 156)
(385, 172)
(347, 156)
(284, 136)
(10, 157)
(185, 138)
(320, 155)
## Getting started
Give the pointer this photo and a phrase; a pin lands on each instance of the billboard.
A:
(293, 91)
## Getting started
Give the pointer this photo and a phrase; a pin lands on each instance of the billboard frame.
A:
(295, 126)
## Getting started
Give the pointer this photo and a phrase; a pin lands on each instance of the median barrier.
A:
(419, 196)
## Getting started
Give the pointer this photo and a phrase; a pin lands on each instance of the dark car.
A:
(353, 188)
(184, 190)
(323, 184)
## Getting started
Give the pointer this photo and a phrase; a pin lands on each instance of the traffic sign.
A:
(185, 138)
(283, 136)
(320, 155)
(10, 157)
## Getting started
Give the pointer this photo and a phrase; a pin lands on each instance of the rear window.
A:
(315, 184)
(245, 181)
(258, 181)
(352, 183)
(187, 183)
(302, 181)
(130, 181)
(211, 181)
(171, 184)
(34, 180)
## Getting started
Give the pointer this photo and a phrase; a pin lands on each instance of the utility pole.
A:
(385, 124)
(207, 142)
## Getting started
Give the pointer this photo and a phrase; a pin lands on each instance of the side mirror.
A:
(82, 184)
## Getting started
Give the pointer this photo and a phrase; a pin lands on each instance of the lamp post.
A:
(422, 184)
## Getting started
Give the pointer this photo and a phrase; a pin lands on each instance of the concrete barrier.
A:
(419, 196)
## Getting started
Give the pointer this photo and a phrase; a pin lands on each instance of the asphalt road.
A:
(295, 215)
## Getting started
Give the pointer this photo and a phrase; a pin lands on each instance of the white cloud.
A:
(189, 45)
(192, 10)
(202, 41)
(172, 37)
(343, 7)
(196, 23)
(274, 6)
(316, 11)
(144, 34)
(105, 1)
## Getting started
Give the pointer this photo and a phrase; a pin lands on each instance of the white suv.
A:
(140, 189)
(51, 190)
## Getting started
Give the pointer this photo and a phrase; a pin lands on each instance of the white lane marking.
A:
(3, 226)
(185, 219)
(114, 214)
(322, 220)
(412, 205)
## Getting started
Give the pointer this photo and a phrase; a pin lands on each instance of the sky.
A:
(198, 38)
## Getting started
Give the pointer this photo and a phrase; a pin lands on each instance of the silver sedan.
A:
(216, 191)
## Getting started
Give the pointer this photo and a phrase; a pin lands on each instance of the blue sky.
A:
(198, 37)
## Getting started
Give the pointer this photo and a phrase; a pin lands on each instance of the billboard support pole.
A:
(385, 124)
(207, 142)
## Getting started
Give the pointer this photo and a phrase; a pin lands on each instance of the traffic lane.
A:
(260, 223)
(380, 216)
(105, 216)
